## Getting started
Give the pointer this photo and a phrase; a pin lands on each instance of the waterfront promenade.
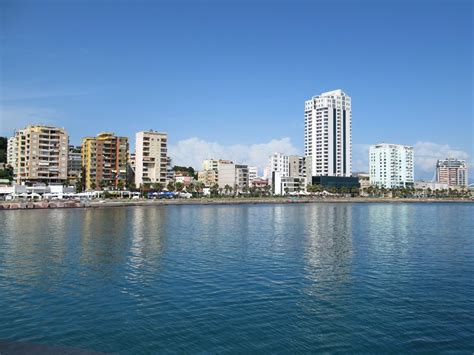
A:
(15, 205)
(268, 278)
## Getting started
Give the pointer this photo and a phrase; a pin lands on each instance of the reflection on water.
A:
(329, 254)
(274, 278)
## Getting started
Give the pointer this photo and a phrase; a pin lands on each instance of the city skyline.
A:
(238, 93)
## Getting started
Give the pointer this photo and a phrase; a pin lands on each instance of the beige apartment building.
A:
(151, 149)
(452, 172)
(212, 168)
(208, 177)
(104, 160)
(39, 153)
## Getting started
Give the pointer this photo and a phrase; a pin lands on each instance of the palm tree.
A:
(199, 187)
(158, 186)
(287, 190)
(171, 186)
(120, 185)
(267, 189)
(227, 188)
(253, 191)
(190, 188)
(214, 190)
(78, 186)
(354, 191)
(103, 184)
(179, 186)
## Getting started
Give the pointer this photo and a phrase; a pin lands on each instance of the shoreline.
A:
(58, 204)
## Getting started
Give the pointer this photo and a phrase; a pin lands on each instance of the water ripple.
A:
(296, 278)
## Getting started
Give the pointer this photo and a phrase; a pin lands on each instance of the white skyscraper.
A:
(328, 142)
(391, 165)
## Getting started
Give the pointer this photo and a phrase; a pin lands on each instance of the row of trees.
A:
(215, 191)
(197, 189)
(407, 192)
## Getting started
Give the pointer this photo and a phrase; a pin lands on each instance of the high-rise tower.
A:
(328, 141)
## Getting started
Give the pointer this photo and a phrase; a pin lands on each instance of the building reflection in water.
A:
(103, 238)
(118, 242)
(148, 236)
(33, 246)
(388, 231)
(328, 248)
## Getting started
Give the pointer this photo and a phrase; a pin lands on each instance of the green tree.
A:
(267, 189)
(355, 191)
(171, 186)
(214, 190)
(93, 185)
(253, 191)
(78, 186)
(227, 188)
(199, 187)
(6, 173)
(188, 171)
(179, 186)
(158, 186)
(3, 149)
(120, 185)
(103, 184)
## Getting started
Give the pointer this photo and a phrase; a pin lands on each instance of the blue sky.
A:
(231, 77)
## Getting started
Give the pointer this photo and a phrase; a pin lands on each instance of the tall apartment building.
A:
(328, 142)
(169, 170)
(104, 160)
(253, 173)
(151, 150)
(280, 163)
(241, 177)
(39, 153)
(452, 172)
(210, 164)
(208, 177)
(225, 173)
(11, 151)
(391, 165)
(296, 166)
(74, 164)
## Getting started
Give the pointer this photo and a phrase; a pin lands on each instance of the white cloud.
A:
(192, 151)
(14, 117)
(427, 153)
